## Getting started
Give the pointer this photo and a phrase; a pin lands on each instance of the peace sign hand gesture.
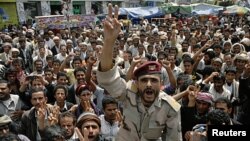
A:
(112, 27)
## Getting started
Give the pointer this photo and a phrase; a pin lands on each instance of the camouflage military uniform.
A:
(159, 122)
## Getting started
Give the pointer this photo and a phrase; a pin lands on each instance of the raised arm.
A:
(112, 28)
(167, 66)
(206, 46)
(90, 64)
(67, 59)
(131, 69)
(108, 75)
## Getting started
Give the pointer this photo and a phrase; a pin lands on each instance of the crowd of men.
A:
(155, 81)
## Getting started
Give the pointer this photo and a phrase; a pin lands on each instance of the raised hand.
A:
(54, 115)
(136, 61)
(87, 107)
(207, 45)
(112, 27)
(16, 115)
(118, 117)
(92, 60)
(73, 108)
(69, 57)
(166, 64)
(25, 80)
(83, 137)
(214, 74)
(192, 94)
(41, 112)
(247, 70)
(200, 56)
(52, 119)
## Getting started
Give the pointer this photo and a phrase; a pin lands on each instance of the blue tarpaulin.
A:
(205, 12)
(205, 9)
(139, 12)
(205, 6)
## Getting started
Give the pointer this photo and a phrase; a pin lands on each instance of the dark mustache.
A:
(149, 89)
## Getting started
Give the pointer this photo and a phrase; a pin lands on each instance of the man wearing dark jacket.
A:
(225, 105)
(244, 88)
(35, 120)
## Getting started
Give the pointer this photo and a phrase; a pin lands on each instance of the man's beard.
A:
(148, 91)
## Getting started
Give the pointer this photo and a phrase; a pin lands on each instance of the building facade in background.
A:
(28, 9)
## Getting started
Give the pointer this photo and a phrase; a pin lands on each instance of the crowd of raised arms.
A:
(161, 81)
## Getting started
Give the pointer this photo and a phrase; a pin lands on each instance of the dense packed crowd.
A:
(150, 81)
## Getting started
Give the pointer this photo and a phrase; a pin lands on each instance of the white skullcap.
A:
(56, 38)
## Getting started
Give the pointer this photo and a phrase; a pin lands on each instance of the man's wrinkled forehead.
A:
(154, 75)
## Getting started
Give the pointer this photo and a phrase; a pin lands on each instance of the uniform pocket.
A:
(154, 131)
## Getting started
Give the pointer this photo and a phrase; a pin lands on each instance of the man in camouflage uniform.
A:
(149, 113)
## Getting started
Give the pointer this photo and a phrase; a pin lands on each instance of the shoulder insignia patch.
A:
(171, 101)
(132, 87)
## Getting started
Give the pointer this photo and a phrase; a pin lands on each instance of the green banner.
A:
(8, 14)
(7, 1)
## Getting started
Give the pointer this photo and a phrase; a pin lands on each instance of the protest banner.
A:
(60, 22)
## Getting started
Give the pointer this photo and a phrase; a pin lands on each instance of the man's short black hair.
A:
(230, 69)
(53, 132)
(38, 60)
(219, 77)
(188, 59)
(78, 70)
(161, 53)
(197, 46)
(61, 87)
(48, 70)
(108, 100)
(59, 74)
(76, 58)
(228, 53)
(210, 54)
(68, 114)
(5, 81)
(223, 100)
(150, 57)
(35, 90)
(208, 70)
(218, 117)
(49, 57)
(218, 46)
(56, 61)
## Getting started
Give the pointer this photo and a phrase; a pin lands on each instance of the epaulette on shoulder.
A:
(132, 87)
(171, 101)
